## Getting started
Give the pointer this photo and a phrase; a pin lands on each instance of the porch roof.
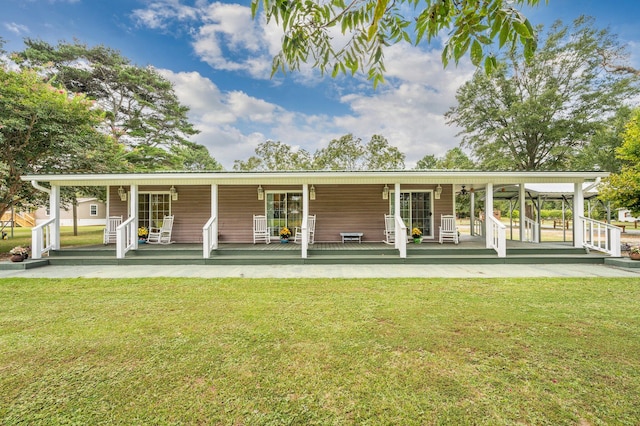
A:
(460, 177)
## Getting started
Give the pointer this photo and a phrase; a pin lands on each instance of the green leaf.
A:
(476, 53)
(521, 29)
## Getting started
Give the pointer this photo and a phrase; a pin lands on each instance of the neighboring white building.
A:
(624, 215)
(91, 212)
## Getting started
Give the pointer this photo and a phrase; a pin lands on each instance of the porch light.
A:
(174, 193)
(438, 191)
(312, 193)
(260, 193)
(385, 193)
(122, 193)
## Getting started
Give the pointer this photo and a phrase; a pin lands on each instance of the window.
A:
(284, 209)
(93, 210)
(416, 210)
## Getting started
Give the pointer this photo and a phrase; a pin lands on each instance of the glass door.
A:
(152, 208)
(416, 210)
(284, 209)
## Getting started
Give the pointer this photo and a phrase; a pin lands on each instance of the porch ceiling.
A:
(316, 178)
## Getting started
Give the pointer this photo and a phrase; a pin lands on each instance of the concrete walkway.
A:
(327, 271)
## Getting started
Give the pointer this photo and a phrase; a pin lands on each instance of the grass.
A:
(87, 235)
(299, 352)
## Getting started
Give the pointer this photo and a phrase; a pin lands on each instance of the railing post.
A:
(36, 242)
(488, 213)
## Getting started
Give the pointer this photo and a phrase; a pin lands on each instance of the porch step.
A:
(26, 264)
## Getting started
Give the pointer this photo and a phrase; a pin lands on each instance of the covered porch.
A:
(214, 211)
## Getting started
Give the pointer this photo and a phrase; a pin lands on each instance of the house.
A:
(212, 208)
(624, 215)
(90, 212)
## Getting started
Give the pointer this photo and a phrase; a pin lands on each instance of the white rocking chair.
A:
(311, 230)
(448, 229)
(389, 229)
(110, 234)
(161, 235)
(261, 232)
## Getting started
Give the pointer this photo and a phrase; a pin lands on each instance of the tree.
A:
(310, 30)
(379, 155)
(536, 115)
(455, 158)
(348, 153)
(340, 154)
(193, 156)
(272, 155)
(45, 129)
(345, 153)
(623, 189)
(600, 152)
(142, 110)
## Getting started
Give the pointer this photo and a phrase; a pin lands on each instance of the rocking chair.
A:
(161, 235)
(110, 234)
(261, 232)
(389, 229)
(448, 229)
(311, 230)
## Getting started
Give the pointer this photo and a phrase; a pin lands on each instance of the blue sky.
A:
(220, 61)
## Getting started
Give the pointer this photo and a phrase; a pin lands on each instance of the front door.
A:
(416, 210)
(284, 209)
(152, 208)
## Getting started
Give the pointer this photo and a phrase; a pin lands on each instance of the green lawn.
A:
(87, 235)
(258, 352)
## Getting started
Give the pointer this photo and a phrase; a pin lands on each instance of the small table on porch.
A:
(351, 236)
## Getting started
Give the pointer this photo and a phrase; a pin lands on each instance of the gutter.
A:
(39, 187)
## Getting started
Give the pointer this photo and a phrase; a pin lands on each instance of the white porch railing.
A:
(531, 231)
(478, 227)
(41, 239)
(401, 236)
(209, 237)
(601, 236)
(498, 240)
(126, 237)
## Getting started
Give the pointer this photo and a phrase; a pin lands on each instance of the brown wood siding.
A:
(338, 208)
(349, 208)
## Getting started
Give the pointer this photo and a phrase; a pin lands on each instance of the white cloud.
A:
(161, 14)
(16, 28)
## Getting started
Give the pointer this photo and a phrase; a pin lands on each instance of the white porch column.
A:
(488, 211)
(133, 212)
(578, 211)
(396, 209)
(472, 211)
(305, 223)
(523, 209)
(214, 213)
(54, 210)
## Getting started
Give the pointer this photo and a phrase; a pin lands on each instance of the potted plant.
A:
(285, 233)
(634, 253)
(143, 233)
(18, 254)
(416, 233)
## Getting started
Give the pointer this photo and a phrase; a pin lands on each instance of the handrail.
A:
(601, 236)
(126, 236)
(304, 229)
(209, 237)
(41, 239)
(401, 236)
(497, 231)
(478, 226)
(531, 233)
